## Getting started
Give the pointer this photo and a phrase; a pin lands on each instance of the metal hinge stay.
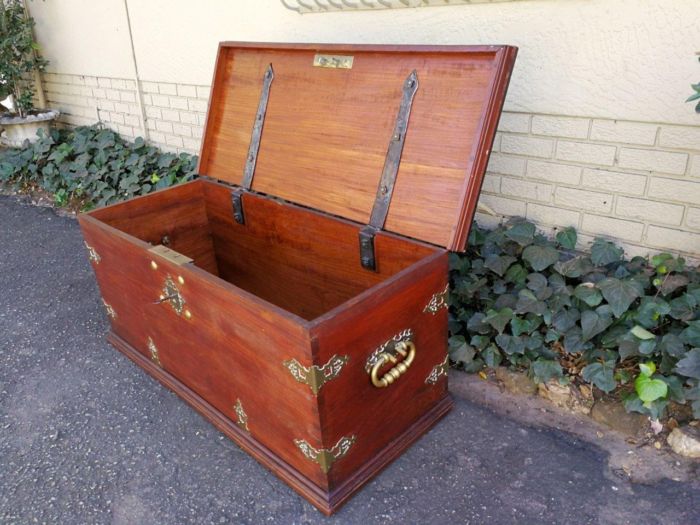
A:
(252, 158)
(389, 172)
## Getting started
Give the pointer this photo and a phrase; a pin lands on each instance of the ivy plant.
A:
(19, 57)
(93, 166)
(695, 96)
(532, 303)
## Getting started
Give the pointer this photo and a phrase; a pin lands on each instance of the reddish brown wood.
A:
(297, 258)
(267, 306)
(375, 414)
(327, 502)
(326, 131)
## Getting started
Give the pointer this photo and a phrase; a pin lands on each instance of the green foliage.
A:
(650, 390)
(522, 300)
(695, 96)
(93, 167)
(19, 57)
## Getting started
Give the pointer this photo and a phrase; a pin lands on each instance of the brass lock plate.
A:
(170, 255)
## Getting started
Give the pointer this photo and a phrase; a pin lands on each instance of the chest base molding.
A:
(326, 502)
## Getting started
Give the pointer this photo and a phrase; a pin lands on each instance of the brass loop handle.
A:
(407, 350)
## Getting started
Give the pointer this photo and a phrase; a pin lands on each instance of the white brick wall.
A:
(635, 182)
(175, 113)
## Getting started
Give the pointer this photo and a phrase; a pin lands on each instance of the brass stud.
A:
(188, 314)
(154, 265)
(181, 279)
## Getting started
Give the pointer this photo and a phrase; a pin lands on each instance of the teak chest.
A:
(296, 293)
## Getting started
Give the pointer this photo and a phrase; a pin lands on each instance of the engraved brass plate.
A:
(241, 416)
(373, 359)
(110, 311)
(154, 352)
(334, 61)
(437, 372)
(170, 255)
(92, 254)
(315, 377)
(437, 301)
(325, 457)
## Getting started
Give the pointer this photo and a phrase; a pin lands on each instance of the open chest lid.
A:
(396, 137)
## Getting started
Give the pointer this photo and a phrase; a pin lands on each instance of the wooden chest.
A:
(295, 294)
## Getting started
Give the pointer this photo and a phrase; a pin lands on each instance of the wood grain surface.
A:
(326, 131)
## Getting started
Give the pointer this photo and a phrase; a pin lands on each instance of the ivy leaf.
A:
(499, 318)
(480, 341)
(683, 307)
(575, 267)
(619, 294)
(567, 238)
(566, 319)
(536, 282)
(477, 323)
(601, 375)
(672, 282)
(672, 345)
(647, 369)
(498, 264)
(651, 310)
(492, 356)
(511, 344)
(592, 324)
(516, 274)
(649, 390)
(540, 257)
(545, 369)
(605, 252)
(573, 341)
(525, 326)
(694, 291)
(641, 333)
(691, 335)
(460, 351)
(588, 293)
(558, 302)
(689, 366)
(522, 232)
(675, 388)
(528, 302)
(558, 283)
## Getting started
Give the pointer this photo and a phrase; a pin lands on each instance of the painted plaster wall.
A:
(627, 59)
(595, 134)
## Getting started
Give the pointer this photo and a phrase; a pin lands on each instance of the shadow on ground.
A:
(87, 437)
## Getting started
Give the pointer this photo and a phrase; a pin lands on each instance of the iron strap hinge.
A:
(389, 172)
(252, 158)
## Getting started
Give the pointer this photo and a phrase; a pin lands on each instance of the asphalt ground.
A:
(86, 437)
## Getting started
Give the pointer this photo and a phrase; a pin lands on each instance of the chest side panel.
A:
(351, 405)
(232, 353)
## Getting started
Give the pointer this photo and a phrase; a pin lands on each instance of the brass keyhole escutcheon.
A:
(405, 349)
(171, 294)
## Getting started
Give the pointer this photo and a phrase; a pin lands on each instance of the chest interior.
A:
(298, 259)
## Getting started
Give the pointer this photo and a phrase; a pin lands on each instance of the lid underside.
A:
(326, 130)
